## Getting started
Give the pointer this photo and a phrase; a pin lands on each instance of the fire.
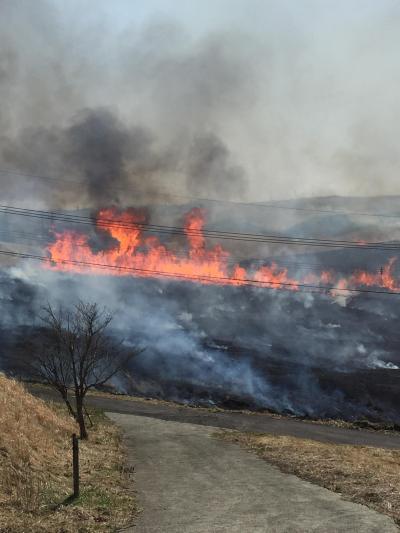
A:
(134, 254)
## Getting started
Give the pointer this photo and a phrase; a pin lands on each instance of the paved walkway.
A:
(189, 482)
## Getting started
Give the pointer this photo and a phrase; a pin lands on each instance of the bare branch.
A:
(77, 353)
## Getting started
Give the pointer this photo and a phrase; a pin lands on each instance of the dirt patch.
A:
(366, 475)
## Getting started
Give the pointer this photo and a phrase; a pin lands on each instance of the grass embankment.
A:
(366, 475)
(35, 469)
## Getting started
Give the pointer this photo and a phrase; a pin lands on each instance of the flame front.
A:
(136, 255)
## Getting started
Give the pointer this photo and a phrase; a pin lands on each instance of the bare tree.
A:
(75, 354)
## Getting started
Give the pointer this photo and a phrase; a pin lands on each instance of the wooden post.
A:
(75, 464)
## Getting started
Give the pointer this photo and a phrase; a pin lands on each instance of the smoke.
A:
(209, 171)
(196, 352)
(282, 100)
(100, 146)
(135, 122)
(127, 106)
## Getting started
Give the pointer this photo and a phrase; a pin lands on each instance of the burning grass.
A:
(366, 475)
(35, 469)
(136, 255)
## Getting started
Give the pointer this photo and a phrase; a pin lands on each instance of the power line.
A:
(211, 279)
(233, 260)
(260, 205)
(36, 239)
(45, 238)
(213, 234)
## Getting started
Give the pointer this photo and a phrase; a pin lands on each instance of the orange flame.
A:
(135, 255)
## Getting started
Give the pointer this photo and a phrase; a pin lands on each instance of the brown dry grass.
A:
(35, 469)
(366, 475)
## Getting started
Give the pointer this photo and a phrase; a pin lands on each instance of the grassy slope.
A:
(35, 469)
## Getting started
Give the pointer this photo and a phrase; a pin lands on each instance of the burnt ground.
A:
(233, 347)
(360, 395)
(253, 422)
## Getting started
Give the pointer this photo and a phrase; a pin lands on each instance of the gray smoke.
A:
(278, 101)
(273, 89)
(209, 170)
(196, 352)
(120, 126)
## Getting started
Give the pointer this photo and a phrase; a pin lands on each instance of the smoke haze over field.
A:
(161, 105)
(226, 99)
(196, 352)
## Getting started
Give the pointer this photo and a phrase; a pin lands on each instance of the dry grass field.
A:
(366, 475)
(35, 469)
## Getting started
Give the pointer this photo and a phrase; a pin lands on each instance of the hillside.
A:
(35, 468)
(32, 441)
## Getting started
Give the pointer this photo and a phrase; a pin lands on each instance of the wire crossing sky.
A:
(210, 279)
(213, 234)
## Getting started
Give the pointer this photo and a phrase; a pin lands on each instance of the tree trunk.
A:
(69, 406)
(81, 419)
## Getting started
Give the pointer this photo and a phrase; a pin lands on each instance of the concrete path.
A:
(190, 482)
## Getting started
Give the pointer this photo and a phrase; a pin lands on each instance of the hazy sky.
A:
(302, 94)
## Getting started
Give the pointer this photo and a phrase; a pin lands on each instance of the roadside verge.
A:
(362, 474)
